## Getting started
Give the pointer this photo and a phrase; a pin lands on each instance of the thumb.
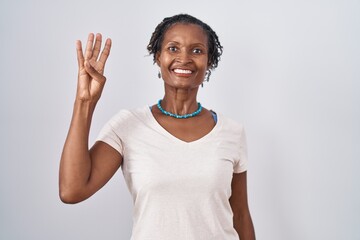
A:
(94, 73)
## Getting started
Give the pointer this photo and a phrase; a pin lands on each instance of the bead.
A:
(197, 112)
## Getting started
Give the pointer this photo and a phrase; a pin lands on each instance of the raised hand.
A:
(91, 79)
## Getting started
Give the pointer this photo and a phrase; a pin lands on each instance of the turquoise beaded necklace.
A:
(179, 116)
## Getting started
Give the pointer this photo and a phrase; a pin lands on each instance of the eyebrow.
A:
(173, 42)
(194, 44)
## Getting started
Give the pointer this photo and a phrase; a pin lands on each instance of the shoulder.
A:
(127, 116)
(231, 124)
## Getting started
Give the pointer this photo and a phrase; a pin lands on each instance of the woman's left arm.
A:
(239, 204)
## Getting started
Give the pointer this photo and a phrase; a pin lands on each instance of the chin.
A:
(183, 83)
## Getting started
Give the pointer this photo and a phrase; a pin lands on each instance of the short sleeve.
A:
(111, 133)
(241, 162)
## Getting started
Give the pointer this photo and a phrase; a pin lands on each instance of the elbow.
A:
(242, 216)
(68, 200)
(69, 197)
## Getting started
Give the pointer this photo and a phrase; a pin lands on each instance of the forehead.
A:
(189, 33)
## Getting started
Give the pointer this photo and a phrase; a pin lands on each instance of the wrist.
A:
(84, 107)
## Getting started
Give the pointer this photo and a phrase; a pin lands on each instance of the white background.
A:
(290, 72)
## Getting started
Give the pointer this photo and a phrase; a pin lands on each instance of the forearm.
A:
(244, 226)
(75, 164)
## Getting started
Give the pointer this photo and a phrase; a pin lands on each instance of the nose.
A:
(183, 57)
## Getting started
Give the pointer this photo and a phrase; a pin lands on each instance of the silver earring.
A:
(159, 74)
(207, 75)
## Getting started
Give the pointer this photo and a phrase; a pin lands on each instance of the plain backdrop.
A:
(290, 73)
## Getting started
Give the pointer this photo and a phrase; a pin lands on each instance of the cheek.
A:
(205, 63)
(164, 59)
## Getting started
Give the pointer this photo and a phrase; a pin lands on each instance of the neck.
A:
(180, 101)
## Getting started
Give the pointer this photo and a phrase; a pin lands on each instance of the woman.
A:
(184, 165)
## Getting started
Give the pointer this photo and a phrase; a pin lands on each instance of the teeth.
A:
(182, 71)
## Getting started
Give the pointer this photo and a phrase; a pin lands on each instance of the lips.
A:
(182, 71)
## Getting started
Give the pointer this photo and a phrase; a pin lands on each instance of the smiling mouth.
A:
(182, 71)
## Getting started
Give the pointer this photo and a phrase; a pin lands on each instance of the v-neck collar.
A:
(161, 129)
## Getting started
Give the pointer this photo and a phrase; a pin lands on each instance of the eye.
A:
(172, 49)
(197, 51)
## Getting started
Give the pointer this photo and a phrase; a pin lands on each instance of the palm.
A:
(89, 88)
(91, 68)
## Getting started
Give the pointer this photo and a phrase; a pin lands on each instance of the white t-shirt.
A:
(180, 189)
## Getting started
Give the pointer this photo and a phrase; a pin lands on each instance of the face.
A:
(183, 58)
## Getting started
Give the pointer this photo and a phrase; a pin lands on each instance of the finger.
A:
(97, 46)
(94, 74)
(79, 53)
(106, 51)
(89, 46)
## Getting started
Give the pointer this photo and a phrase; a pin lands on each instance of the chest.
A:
(187, 130)
(162, 167)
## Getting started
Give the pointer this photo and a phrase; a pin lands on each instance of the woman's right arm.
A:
(83, 171)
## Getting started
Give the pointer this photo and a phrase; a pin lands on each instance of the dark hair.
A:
(214, 47)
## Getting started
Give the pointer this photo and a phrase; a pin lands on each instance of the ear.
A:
(209, 64)
(157, 58)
